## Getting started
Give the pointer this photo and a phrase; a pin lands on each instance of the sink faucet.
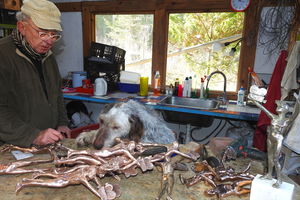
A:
(224, 98)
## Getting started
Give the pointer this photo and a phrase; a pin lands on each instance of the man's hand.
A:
(64, 129)
(47, 136)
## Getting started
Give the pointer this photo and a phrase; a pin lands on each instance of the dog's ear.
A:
(136, 129)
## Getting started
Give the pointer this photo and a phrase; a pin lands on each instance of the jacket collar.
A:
(24, 56)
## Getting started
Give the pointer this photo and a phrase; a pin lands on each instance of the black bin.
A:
(106, 59)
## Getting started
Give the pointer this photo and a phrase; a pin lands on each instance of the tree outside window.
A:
(194, 35)
(190, 39)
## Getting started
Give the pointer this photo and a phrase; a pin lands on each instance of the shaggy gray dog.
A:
(130, 120)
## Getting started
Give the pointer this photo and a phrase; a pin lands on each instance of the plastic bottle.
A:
(157, 84)
(240, 97)
(144, 86)
(202, 88)
(189, 92)
(194, 87)
(185, 87)
(175, 93)
(179, 90)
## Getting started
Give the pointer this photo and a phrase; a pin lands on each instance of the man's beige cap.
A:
(43, 13)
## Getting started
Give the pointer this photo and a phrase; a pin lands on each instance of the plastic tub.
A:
(128, 87)
(129, 77)
(77, 78)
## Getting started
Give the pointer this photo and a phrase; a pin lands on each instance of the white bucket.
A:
(77, 78)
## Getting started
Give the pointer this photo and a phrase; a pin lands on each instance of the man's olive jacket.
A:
(25, 110)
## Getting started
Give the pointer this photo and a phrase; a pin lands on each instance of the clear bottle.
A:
(240, 97)
(157, 84)
(185, 87)
(189, 92)
(194, 87)
(202, 88)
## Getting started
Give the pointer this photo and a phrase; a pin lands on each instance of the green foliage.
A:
(192, 29)
(198, 28)
(120, 28)
(134, 34)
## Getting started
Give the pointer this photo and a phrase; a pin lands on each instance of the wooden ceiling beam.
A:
(69, 6)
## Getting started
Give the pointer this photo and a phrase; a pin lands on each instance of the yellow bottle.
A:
(144, 86)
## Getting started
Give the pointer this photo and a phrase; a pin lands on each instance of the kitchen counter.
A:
(229, 111)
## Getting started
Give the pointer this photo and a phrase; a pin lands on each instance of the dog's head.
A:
(115, 122)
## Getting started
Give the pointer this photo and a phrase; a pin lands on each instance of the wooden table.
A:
(143, 186)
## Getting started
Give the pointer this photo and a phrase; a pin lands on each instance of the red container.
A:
(85, 90)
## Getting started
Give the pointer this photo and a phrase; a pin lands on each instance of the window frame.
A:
(161, 11)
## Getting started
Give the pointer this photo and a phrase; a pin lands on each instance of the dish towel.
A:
(289, 80)
(273, 93)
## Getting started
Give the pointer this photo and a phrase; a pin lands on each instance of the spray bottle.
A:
(157, 84)
(240, 97)
(202, 88)
(185, 87)
(189, 92)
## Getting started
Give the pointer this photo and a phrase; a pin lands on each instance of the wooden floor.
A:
(144, 186)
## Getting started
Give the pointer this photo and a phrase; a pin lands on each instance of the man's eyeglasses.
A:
(46, 35)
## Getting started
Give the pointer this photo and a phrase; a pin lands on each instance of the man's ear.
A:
(136, 129)
(21, 27)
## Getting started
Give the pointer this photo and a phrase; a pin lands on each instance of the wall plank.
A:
(69, 7)
(296, 28)
(160, 44)
(248, 46)
(87, 28)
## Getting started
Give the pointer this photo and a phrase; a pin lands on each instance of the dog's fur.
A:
(130, 120)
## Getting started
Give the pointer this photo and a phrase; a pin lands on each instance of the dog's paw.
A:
(86, 138)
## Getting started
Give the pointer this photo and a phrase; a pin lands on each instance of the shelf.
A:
(8, 26)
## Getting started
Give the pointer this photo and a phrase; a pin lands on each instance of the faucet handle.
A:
(223, 99)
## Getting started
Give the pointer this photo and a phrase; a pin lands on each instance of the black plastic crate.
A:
(7, 17)
(105, 59)
(102, 66)
(106, 53)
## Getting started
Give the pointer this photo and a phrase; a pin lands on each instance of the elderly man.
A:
(32, 110)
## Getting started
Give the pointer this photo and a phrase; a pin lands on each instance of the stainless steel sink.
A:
(189, 118)
(208, 104)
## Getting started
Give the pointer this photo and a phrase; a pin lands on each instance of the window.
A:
(133, 33)
(160, 12)
(191, 40)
